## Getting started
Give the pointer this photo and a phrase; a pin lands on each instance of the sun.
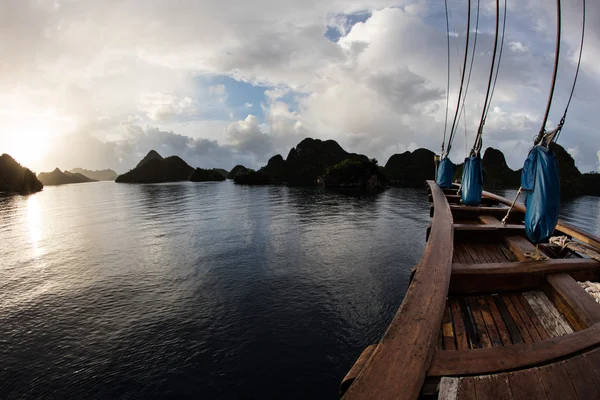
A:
(28, 144)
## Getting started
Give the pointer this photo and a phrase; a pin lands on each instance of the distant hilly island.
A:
(326, 163)
(101, 175)
(16, 178)
(312, 162)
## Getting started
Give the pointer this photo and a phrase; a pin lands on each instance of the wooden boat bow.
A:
(482, 319)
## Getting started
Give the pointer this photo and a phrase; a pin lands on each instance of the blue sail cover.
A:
(541, 181)
(445, 173)
(472, 181)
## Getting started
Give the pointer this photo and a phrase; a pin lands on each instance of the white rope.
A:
(565, 242)
(511, 206)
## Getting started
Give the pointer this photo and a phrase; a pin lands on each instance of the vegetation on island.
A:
(16, 178)
(207, 175)
(356, 175)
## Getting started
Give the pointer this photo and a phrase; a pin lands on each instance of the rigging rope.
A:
(462, 80)
(542, 132)
(478, 143)
(562, 121)
(463, 112)
(448, 80)
(499, 60)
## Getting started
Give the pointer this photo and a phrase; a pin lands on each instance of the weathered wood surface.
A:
(498, 359)
(512, 276)
(573, 378)
(580, 309)
(562, 226)
(356, 368)
(398, 366)
(553, 322)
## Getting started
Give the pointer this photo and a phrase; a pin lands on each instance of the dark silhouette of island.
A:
(222, 171)
(236, 171)
(207, 175)
(155, 169)
(305, 164)
(57, 177)
(101, 175)
(410, 169)
(352, 175)
(16, 178)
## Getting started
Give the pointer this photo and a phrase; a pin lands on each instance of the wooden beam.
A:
(515, 276)
(490, 220)
(580, 309)
(472, 233)
(562, 226)
(398, 366)
(462, 212)
(507, 358)
(519, 245)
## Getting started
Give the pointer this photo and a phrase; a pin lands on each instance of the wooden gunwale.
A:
(398, 366)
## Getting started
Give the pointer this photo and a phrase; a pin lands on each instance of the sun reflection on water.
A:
(34, 222)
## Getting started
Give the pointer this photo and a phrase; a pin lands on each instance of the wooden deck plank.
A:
(398, 366)
(496, 253)
(580, 309)
(557, 383)
(460, 254)
(467, 254)
(482, 332)
(593, 359)
(526, 385)
(486, 255)
(460, 333)
(499, 322)
(489, 322)
(582, 377)
(493, 387)
(448, 389)
(447, 330)
(466, 389)
(551, 319)
(515, 335)
(516, 317)
(469, 324)
(534, 318)
(515, 299)
(482, 254)
(546, 317)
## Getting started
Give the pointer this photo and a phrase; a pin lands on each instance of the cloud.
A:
(162, 107)
(377, 86)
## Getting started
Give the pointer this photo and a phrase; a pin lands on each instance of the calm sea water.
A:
(201, 290)
(197, 290)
